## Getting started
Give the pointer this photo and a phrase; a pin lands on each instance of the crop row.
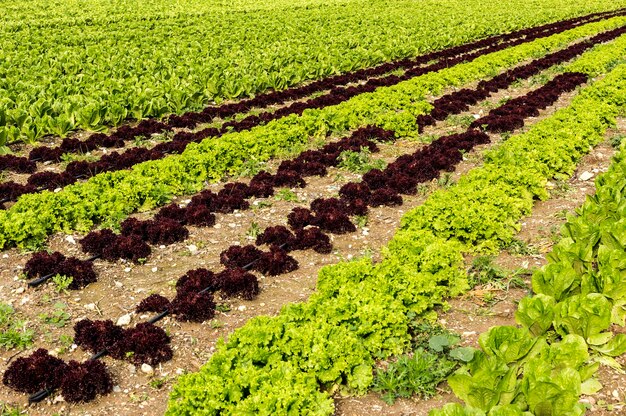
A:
(168, 225)
(194, 300)
(111, 196)
(92, 331)
(115, 161)
(65, 76)
(379, 187)
(224, 111)
(361, 310)
(459, 101)
(548, 362)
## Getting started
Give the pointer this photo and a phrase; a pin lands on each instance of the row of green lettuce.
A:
(293, 363)
(110, 197)
(61, 70)
(542, 367)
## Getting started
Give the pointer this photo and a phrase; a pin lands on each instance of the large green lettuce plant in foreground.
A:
(542, 367)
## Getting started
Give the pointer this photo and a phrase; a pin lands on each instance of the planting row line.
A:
(361, 311)
(111, 196)
(59, 77)
(382, 188)
(264, 100)
(459, 101)
(565, 332)
(194, 300)
(168, 225)
(115, 161)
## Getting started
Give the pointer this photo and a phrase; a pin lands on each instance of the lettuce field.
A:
(313, 207)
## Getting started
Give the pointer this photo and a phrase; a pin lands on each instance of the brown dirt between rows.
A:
(121, 286)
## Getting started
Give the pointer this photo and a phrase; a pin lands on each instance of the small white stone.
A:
(117, 389)
(147, 368)
(19, 290)
(57, 190)
(132, 369)
(585, 176)
(193, 249)
(90, 306)
(615, 394)
(469, 333)
(124, 320)
(5, 256)
(476, 116)
(232, 225)
(162, 246)
(242, 308)
(24, 300)
(217, 226)
(155, 269)
(590, 399)
(180, 371)
(118, 284)
(262, 304)
(70, 239)
(127, 269)
(58, 399)
(73, 347)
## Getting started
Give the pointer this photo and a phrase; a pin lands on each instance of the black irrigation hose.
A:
(42, 394)
(39, 396)
(36, 282)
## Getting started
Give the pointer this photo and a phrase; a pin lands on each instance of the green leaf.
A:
(613, 347)
(599, 339)
(590, 386)
(536, 313)
(439, 343)
(585, 315)
(455, 409)
(557, 280)
(570, 352)
(508, 410)
(465, 354)
(508, 343)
